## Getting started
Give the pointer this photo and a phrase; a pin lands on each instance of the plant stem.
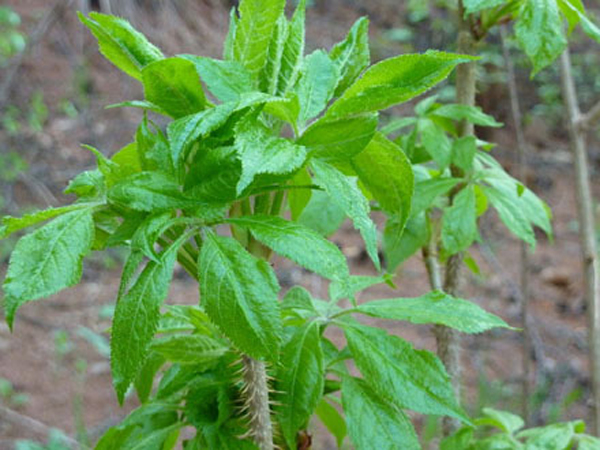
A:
(524, 269)
(587, 229)
(257, 402)
(448, 342)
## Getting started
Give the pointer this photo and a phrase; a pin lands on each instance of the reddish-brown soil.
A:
(31, 360)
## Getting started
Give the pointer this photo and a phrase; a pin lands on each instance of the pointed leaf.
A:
(263, 153)
(48, 260)
(409, 378)
(396, 80)
(387, 173)
(174, 85)
(254, 30)
(293, 52)
(298, 243)
(435, 307)
(473, 114)
(346, 194)
(473, 6)
(352, 56)
(120, 43)
(316, 85)
(269, 76)
(373, 422)
(300, 380)
(136, 319)
(459, 228)
(401, 241)
(239, 293)
(190, 349)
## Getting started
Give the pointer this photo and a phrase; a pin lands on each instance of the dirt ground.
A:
(39, 362)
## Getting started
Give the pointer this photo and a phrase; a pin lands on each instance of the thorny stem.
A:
(587, 234)
(256, 390)
(524, 269)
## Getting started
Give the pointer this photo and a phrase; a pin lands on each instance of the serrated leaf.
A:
(298, 198)
(427, 191)
(373, 422)
(262, 153)
(136, 318)
(269, 76)
(227, 80)
(174, 85)
(472, 114)
(387, 173)
(509, 423)
(120, 43)
(239, 293)
(409, 378)
(352, 55)
(194, 349)
(316, 85)
(148, 191)
(463, 152)
(349, 287)
(293, 52)
(254, 30)
(459, 227)
(558, 435)
(508, 206)
(473, 6)
(228, 45)
(300, 380)
(339, 140)
(345, 193)
(11, 224)
(145, 379)
(539, 30)
(333, 421)
(436, 142)
(396, 80)
(435, 307)
(298, 243)
(400, 242)
(214, 176)
(48, 260)
(147, 233)
(298, 298)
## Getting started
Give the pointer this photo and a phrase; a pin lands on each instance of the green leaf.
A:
(589, 27)
(148, 191)
(333, 421)
(300, 380)
(322, 214)
(228, 45)
(387, 173)
(436, 142)
(396, 80)
(558, 435)
(48, 260)
(427, 191)
(346, 194)
(588, 442)
(509, 209)
(463, 152)
(120, 43)
(507, 422)
(435, 307)
(263, 153)
(269, 76)
(316, 85)
(537, 211)
(539, 30)
(339, 140)
(147, 234)
(373, 422)
(400, 242)
(472, 114)
(227, 80)
(458, 441)
(298, 298)
(299, 198)
(145, 379)
(11, 225)
(356, 283)
(352, 56)
(473, 6)
(459, 228)
(293, 52)
(239, 293)
(409, 378)
(183, 133)
(174, 85)
(213, 176)
(254, 30)
(136, 319)
(298, 243)
(190, 349)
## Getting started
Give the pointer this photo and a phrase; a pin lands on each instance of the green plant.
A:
(12, 41)
(10, 396)
(261, 133)
(502, 430)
